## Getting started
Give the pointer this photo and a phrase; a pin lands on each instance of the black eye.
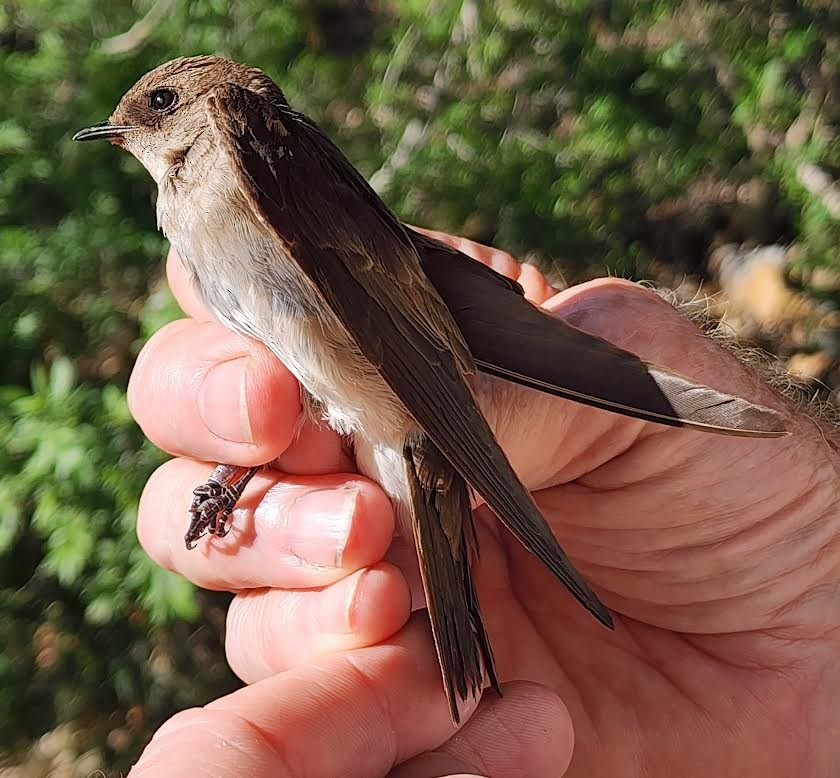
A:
(161, 99)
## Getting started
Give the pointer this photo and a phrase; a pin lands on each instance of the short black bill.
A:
(103, 131)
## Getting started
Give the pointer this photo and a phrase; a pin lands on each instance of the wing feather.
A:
(368, 272)
(513, 339)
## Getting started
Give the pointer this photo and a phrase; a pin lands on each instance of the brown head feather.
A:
(191, 78)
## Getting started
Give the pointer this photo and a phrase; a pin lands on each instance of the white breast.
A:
(252, 286)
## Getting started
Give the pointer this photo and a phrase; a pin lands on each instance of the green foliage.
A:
(560, 131)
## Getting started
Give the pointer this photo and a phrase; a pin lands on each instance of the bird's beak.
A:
(104, 131)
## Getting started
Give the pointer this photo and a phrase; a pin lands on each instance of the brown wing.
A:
(366, 268)
(511, 338)
(304, 189)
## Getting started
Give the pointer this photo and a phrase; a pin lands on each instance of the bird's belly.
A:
(245, 277)
(349, 393)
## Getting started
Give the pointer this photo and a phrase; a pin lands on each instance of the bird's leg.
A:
(214, 501)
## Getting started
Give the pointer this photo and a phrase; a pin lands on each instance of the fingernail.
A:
(337, 611)
(319, 525)
(226, 419)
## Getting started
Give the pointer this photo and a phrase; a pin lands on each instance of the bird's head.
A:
(164, 113)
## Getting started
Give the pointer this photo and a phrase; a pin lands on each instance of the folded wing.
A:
(513, 339)
(362, 262)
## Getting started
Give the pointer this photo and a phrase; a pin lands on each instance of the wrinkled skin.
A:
(719, 557)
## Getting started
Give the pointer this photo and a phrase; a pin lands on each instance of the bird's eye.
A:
(162, 99)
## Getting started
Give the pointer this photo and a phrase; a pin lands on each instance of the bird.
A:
(386, 329)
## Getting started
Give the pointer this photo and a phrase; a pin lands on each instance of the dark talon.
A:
(214, 501)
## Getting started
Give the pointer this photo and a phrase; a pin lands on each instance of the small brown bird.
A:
(384, 328)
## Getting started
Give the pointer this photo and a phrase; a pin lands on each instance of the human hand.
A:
(720, 555)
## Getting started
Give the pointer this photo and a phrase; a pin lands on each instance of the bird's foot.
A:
(214, 501)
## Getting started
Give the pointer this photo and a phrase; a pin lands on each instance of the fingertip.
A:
(137, 393)
(528, 731)
(380, 605)
(357, 713)
(183, 288)
(604, 306)
(316, 449)
(158, 491)
(372, 525)
(272, 395)
(549, 734)
(535, 285)
(202, 391)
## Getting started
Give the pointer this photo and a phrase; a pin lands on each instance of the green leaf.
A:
(62, 378)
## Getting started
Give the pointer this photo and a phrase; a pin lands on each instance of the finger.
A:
(353, 715)
(536, 286)
(199, 390)
(316, 449)
(526, 732)
(288, 532)
(402, 553)
(184, 290)
(271, 630)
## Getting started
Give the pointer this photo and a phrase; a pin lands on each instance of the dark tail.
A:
(445, 537)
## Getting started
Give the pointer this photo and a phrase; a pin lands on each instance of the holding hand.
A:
(719, 556)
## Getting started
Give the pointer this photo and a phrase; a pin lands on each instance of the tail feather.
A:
(445, 537)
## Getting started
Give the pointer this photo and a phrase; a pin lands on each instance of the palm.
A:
(680, 532)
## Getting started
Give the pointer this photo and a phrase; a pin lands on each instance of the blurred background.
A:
(695, 144)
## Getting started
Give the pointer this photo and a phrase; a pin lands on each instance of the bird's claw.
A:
(214, 501)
